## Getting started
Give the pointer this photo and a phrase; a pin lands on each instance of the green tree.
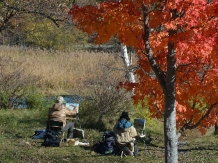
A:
(20, 19)
(45, 34)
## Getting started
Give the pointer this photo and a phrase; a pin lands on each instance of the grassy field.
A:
(82, 73)
(17, 127)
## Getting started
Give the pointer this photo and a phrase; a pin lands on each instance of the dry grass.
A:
(67, 72)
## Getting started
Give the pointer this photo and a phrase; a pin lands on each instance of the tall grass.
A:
(67, 72)
(75, 72)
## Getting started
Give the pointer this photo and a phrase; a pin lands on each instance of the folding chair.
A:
(139, 124)
(122, 148)
(57, 126)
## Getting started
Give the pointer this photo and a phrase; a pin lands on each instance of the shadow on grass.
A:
(196, 149)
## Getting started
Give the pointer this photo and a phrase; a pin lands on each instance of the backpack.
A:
(106, 146)
(51, 139)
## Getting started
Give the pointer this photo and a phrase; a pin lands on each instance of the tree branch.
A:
(190, 127)
(149, 53)
(29, 11)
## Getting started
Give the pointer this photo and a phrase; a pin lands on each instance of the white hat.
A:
(60, 99)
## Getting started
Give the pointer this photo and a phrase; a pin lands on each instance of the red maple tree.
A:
(176, 43)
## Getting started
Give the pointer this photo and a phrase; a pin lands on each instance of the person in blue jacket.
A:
(125, 132)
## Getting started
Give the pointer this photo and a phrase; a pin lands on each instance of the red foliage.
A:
(196, 43)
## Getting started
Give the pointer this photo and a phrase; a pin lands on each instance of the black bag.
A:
(51, 139)
(78, 133)
(106, 146)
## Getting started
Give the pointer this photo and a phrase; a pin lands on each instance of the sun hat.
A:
(61, 100)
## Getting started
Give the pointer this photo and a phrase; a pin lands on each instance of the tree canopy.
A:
(43, 24)
(195, 39)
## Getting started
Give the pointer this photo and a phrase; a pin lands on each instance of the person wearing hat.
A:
(125, 133)
(59, 111)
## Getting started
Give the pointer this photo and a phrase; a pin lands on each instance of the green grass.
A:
(17, 127)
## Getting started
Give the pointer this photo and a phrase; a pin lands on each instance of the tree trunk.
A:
(216, 129)
(130, 74)
(171, 153)
(168, 83)
(127, 62)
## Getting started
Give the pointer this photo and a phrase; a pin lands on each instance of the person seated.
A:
(125, 132)
(59, 111)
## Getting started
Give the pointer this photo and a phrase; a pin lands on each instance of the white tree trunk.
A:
(127, 62)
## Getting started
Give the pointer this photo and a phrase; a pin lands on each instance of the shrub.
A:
(144, 112)
(36, 99)
(105, 108)
(14, 80)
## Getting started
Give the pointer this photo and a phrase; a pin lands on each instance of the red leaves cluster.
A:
(196, 41)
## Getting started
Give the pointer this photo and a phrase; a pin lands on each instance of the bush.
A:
(144, 112)
(105, 109)
(4, 96)
(36, 99)
(14, 81)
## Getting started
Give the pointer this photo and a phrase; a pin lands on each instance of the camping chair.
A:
(139, 125)
(121, 148)
(57, 126)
